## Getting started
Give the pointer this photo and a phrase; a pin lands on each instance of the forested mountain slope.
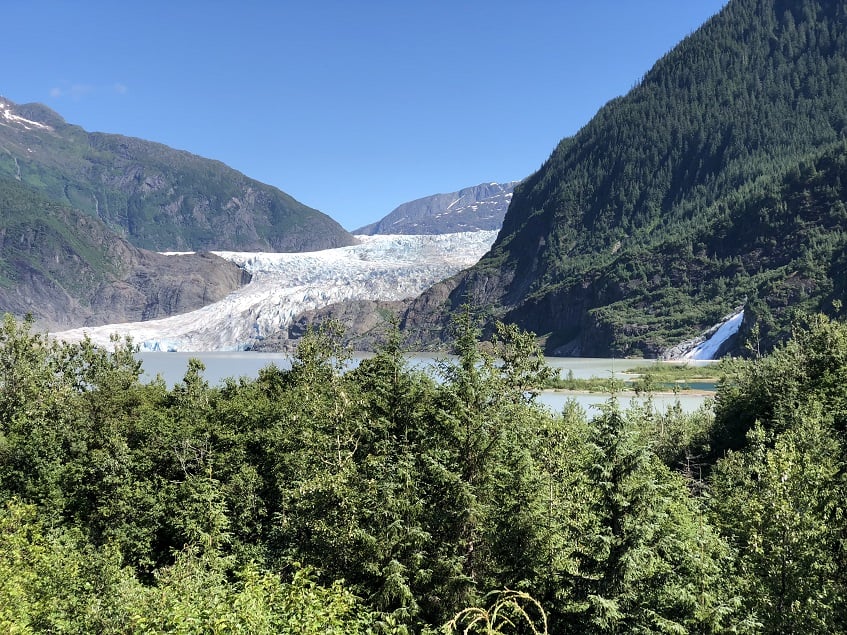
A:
(156, 197)
(67, 268)
(715, 181)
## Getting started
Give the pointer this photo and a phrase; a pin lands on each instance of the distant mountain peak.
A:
(476, 208)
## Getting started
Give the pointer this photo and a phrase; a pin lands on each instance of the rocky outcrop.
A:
(365, 324)
(67, 269)
(154, 286)
(150, 290)
(159, 286)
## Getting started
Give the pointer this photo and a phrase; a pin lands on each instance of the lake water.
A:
(220, 365)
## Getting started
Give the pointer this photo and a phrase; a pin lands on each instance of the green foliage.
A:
(377, 499)
(53, 582)
(782, 503)
(779, 485)
(807, 369)
(194, 595)
(683, 373)
(649, 562)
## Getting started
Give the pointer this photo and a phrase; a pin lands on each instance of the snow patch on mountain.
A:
(382, 267)
(481, 207)
(10, 117)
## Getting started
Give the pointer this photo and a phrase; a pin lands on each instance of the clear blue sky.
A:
(352, 107)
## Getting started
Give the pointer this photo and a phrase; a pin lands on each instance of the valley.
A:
(686, 200)
(283, 285)
(188, 444)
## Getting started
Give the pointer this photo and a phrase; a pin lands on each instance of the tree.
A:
(779, 489)
(650, 562)
(781, 502)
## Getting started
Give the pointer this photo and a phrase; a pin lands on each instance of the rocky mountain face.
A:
(481, 207)
(156, 197)
(158, 286)
(366, 324)
(716, 182)
(80, 212)
(66, 268)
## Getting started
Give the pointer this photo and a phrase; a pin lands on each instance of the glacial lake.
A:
(221, 365)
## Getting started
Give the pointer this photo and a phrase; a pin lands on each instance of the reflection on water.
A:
(220, 365)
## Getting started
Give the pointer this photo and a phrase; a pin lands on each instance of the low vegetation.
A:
(658, 377)
(381, 500)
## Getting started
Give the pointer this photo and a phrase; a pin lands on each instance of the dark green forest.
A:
(382, 499)
(717, 179)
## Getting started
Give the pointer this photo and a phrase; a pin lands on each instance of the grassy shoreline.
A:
(655, 378)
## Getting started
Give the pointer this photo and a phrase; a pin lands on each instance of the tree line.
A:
(383, 499)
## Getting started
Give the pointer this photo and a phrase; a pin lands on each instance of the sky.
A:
(351, 107)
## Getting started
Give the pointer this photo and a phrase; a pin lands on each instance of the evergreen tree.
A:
(649, 562)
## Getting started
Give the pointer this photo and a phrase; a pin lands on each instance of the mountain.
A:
(156, 197)
(481, 207)
(67, 268)
(716, 183)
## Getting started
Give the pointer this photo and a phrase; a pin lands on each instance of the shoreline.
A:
(631, 393)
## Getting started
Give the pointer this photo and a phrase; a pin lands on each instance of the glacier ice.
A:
(380, 267)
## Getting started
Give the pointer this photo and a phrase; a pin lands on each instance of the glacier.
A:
(283, 285)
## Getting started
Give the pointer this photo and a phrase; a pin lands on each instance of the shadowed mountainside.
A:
(67, 268)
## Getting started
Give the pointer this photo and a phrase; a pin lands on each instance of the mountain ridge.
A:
(66, 268)
(479, 207)
(605, 249)
(82, 215)
(157, 197)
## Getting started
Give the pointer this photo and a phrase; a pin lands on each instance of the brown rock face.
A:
(365, 324)
(160, 286)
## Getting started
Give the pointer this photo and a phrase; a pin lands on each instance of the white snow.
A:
(9, 116)
(710, 347)
(382, 267)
